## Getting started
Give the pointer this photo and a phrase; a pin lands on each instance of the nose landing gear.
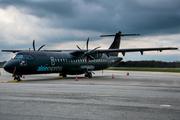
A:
(17, 78)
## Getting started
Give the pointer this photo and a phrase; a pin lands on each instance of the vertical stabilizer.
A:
(116, 42)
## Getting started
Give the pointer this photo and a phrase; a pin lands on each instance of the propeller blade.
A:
(41, 47)
(91, 57)
(94, 49)
(78, 47)
(87, 44)
(34, 45)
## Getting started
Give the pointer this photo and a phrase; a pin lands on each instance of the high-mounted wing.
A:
(141, 50)
(14, 51)
(79, 53)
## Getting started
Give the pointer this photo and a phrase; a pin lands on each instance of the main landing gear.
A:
(88, 75)
(62, 75)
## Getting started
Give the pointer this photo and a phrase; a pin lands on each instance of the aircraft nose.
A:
(9, 66)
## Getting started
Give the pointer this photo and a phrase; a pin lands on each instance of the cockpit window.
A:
(18, 57)
(26, 57)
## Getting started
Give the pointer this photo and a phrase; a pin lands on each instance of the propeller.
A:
(39, 47)
(34, 45)
(88, 53)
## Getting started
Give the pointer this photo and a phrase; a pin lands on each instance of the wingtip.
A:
(174, 48)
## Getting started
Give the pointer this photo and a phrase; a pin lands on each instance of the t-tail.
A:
(116, 42)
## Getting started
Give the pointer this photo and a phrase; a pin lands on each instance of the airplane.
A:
(69, 62)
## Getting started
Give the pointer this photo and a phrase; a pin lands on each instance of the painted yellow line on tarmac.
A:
(4, 81)
(9, 81)
(175, 73)
(157, 73)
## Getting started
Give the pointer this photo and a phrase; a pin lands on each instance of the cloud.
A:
(61, 22)
(146, 17)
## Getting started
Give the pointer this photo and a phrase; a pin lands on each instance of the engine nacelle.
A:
(97, 55)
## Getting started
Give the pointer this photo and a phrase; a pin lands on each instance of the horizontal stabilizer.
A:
(120, 35)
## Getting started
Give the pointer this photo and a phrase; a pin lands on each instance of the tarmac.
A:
(109, 95)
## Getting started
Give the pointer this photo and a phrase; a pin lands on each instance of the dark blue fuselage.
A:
(40, 62)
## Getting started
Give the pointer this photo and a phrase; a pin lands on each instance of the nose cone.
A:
(9, 66)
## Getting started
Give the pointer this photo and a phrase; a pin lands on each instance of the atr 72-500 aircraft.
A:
(70, 62)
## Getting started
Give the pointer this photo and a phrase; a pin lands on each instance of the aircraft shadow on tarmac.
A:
(69, 78)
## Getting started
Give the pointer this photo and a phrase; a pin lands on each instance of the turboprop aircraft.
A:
(69, 62)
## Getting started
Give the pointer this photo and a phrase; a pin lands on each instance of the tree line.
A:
(152, 63)
(2, 63)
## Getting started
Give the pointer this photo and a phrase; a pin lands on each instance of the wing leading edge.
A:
(14, 51)
(141, 50)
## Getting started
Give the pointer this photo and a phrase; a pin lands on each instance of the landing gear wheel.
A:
(62, 75)
(88, 75)
(16, 79)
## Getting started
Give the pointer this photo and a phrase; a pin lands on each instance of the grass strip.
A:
(145, 69)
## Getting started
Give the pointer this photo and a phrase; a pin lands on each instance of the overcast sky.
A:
(63, 24)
